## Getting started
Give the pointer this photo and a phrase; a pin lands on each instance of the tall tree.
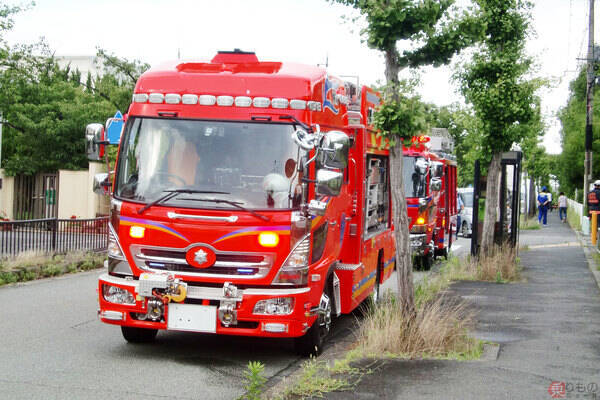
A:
(495, 83)
(434, 35)
(572, 117)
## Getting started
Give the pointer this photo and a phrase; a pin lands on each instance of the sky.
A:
(304, 31)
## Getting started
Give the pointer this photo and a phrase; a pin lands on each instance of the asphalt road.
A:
(54, 347)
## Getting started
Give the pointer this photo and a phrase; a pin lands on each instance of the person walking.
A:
(562, 207)
(543, 203)
(461, 207)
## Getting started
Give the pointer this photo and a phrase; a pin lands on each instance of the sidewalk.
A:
(548, 329)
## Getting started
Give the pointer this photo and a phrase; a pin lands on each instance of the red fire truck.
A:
(249, 198)
(430, 187)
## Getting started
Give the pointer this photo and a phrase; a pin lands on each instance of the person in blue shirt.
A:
(543, 200)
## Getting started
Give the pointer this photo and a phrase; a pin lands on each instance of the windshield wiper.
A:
(236, 204)
(170, 193)
(302, 124)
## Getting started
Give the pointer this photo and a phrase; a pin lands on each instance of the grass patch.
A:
(528, 223)
(573, 219)
(318, 378)
(31, 265)
(596, 257)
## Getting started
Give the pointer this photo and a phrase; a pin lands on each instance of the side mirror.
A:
(102, 183)
(94, 139)
(437, 169)
(435, 184)
(421, 165)
(305, 140)
(329, 183)
(335, 147)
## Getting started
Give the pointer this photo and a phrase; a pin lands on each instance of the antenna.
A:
(326, 62)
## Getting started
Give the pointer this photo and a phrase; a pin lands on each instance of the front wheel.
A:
(311, 344)
(427, 261)
(465, 230)
(138, 335)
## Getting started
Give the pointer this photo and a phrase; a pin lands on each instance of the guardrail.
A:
(53, 235)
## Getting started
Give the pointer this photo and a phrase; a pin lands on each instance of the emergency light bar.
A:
(226, 101)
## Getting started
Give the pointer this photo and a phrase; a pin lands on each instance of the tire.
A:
(465, 230)
(311, 344)
(138, 335)
(427, 261)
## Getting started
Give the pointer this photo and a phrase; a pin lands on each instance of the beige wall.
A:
(73, 191)
(76, 195)
(7, 194)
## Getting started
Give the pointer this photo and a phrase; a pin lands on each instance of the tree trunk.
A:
(491, 204)
(403, 257)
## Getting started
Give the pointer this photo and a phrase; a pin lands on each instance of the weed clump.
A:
(436, 328)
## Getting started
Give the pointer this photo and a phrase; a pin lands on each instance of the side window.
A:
(378, 193)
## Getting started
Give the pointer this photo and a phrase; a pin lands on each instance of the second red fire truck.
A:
(430, 187)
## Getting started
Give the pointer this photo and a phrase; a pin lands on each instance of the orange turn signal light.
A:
(137, 232)
(268, 239)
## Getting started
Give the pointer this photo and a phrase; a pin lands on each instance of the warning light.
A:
(420, 221)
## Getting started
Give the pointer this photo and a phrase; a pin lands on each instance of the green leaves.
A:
(494, 81)
(401, 119)
(46, 108)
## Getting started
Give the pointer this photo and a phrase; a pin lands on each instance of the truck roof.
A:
(233, 75)
(237, 86)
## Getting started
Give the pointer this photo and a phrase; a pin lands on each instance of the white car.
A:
(466, 215)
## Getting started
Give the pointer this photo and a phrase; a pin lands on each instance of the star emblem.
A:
(200, 256)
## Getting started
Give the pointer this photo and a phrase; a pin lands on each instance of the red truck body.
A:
(431, 196)
(220, 221)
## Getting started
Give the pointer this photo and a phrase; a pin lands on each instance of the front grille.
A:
(242, 265)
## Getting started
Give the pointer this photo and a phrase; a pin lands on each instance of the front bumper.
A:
(248, 324)
(418, 243)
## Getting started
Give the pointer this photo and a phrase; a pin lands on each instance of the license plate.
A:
(192, 317)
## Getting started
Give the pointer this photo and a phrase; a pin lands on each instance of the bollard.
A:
(594, 227)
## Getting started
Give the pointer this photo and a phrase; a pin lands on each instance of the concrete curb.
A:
(589, 250)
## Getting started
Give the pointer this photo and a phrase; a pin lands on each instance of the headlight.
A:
(276, 306)
(117, 295)
(294, 270)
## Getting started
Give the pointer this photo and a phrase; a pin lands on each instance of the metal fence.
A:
(53, 235)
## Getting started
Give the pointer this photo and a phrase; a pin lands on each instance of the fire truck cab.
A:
(248, 199)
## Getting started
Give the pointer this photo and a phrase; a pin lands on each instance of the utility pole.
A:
(589, 112)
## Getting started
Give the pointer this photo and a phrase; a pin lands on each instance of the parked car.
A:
(466, 214)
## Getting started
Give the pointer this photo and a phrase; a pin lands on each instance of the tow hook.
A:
(160, 290)
(227, 313)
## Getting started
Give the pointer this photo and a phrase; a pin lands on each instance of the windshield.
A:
(414, 176)
(252, 164)
(467, 198)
